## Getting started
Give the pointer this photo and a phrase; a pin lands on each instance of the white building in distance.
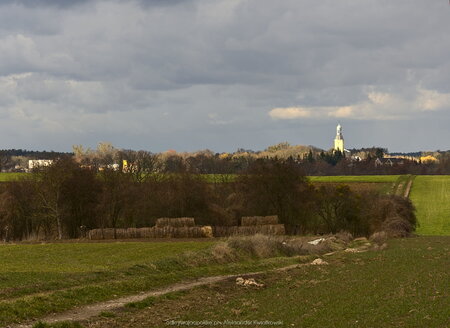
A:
(339, 140)
(34, 163)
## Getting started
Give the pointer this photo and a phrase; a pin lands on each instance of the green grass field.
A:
(87, 257)
(314, 179)
(390, 288)
(387, 289)
(431, 196)
(355, 178)
(37, 279)
(385, 184)
(11, 176)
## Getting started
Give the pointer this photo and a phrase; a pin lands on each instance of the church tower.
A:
(339, 140)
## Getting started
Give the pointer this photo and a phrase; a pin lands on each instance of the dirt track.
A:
(86, 312)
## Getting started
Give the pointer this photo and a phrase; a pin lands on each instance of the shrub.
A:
(383, 209)
(339, 208)
(223, 253)
(259, 246)
(397, 226)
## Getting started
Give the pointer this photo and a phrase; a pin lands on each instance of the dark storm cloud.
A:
(192, 74)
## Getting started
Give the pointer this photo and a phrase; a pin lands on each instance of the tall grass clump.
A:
(259, 246)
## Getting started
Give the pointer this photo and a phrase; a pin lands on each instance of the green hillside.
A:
(355, 178)
(431, 196)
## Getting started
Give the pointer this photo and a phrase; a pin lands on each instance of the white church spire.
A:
(339, 140)
(339, 132)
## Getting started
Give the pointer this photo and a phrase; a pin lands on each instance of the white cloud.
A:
(343, 112)
(377, 106)
(430, 100)
(291, 113)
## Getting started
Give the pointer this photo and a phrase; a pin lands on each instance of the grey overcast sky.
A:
(224, 74)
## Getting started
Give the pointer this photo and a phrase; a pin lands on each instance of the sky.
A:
(224, 74)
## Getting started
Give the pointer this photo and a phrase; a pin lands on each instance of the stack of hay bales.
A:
(175, 222)
(252, 225)
(164, 228)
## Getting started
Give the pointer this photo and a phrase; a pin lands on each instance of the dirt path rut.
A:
(88, 311)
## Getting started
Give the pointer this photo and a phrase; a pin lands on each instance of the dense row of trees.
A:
(68, 198)
(313, 161)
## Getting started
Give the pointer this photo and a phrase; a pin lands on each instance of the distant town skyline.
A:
(224, 74)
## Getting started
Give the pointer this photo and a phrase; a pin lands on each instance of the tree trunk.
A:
(58, 224)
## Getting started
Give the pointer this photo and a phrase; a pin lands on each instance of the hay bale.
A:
(207, 231)
(151, 232)
(268, 229)
(94, 234)
(259, 220)
(175, 222)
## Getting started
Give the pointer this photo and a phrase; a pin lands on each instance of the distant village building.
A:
(339, 140)
(35, 163)
(389, 161)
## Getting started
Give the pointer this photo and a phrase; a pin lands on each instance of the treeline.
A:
(32, 153)
(369, 166)
(68, 198)
(16, 160)
(311, 160)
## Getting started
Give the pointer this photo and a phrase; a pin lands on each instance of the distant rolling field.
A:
(382, 183)
(11, 176)
(355, 178)
(431, 196)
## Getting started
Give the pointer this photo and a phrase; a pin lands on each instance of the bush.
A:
(260, 246)
(384, 209)
(223, 253)
(339, 208)
(397, 227)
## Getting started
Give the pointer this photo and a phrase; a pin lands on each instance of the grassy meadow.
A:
(431, 196)
(384, 184)
(389, 288)
(375, 289)
(4, 177)
(38, 279)
(355, 178)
